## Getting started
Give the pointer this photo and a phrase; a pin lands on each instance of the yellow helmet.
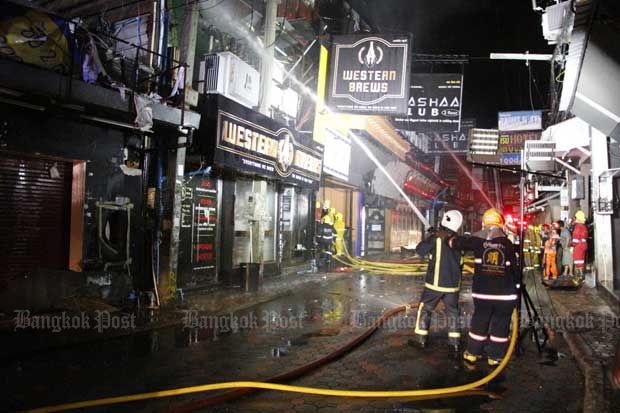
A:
(327, 220)
(332, 211)
(339, 216)
(580, 217)
(492, 217)
(327, 203)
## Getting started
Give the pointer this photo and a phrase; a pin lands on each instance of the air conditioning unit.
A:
(539, 156)
(226, 74)
(553, 21)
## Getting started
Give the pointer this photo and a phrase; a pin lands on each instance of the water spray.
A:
(259, 48)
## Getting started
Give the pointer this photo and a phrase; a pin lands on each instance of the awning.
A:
(570, 134)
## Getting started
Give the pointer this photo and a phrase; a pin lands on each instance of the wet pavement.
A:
(283, 334)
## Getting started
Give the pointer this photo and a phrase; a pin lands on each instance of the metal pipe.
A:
(299, 60)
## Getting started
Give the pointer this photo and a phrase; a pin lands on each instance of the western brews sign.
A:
(250, 142)
(434, 103)
(369, 74)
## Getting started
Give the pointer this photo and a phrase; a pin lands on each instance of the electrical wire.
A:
(189, 3)
(529, 71)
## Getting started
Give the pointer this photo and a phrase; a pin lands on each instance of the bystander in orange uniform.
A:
(551, 269)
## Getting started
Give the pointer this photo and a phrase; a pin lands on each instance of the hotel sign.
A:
(251, 142)
(369, 74)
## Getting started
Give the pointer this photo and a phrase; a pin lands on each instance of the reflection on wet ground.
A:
(278, 336)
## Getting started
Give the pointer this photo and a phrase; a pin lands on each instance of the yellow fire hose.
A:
(445, 391)
(387, 268)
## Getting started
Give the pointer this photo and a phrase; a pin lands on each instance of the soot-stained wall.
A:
(36, 133)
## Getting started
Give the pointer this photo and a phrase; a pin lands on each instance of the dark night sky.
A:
(476, 28)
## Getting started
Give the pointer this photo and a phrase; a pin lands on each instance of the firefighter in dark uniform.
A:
(325, 239)
(494, 288)
(442, 282)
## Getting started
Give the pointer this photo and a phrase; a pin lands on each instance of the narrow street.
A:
(264, 206)
(286, 333)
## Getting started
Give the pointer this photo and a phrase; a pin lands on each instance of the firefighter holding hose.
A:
(443, 281)
(494, 288)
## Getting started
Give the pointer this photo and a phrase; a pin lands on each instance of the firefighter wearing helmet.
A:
(580, 243)
(494, 288)
(325, 238)
(442, 282)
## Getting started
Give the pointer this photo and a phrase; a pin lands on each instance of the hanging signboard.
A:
(251, 142)
(36, 38)
(451, 142)
(434, 103)
(337, 154)
(197, 258)
(511, 144)
(369, 74)
(520, 121)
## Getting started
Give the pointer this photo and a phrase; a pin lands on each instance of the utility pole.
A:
(177, 170)
(266, 71)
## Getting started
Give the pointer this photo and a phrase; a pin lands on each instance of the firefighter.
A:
(527, 244)
(443, 281)
(536, 246)
(340, 228)
(544, 236)
(326, 207)
(325, 239)
(557, 229)
(494, 288)
(332, 214)
(580, 243)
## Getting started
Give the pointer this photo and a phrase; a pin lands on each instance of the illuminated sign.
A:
(369, 74)
(337, 154)
(434, 103)
(248, 141)
(520, 121)
(451, 142)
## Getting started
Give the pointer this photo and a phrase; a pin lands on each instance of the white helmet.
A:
(452, 220)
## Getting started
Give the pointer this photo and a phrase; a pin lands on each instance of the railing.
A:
(66, 46)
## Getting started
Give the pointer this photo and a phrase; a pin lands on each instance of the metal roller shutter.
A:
(34, 214)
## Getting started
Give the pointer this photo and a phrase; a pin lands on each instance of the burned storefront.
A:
(260, 178)
(82, 161)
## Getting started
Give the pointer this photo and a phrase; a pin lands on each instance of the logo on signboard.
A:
(263, 148)
(450, 113)
(370, 74)
(372, 57)
(286, 152)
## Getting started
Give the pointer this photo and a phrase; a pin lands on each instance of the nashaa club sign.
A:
(369, 74)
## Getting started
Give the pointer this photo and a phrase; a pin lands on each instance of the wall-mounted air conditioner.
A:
(226, 74)
(539, 155)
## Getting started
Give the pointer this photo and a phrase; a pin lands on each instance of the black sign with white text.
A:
(248, 141)
(434, 103)
(450, 142)
(369, 74)
(199, 210)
